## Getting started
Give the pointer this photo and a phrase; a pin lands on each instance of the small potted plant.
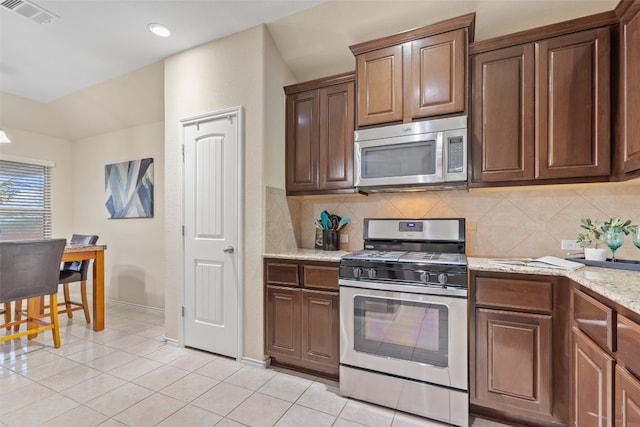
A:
(594, 236)
(591, 239)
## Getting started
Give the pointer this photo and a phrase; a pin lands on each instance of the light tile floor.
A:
(127, 375)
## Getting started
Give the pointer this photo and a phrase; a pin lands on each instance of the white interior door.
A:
(212, 215)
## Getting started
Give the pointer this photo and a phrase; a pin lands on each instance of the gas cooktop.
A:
(408, 256)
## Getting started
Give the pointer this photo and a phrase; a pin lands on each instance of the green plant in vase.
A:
(592, 237)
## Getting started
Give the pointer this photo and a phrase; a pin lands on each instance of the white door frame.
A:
(238, 112)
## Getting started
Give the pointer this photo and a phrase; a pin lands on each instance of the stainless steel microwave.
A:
(411, 155)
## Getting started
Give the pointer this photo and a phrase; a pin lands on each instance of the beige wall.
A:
(134, 245)
(134, 256)
(502, 222)
(221, 74)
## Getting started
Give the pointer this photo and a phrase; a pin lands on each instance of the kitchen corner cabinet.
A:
(541, 110)
(415, 74)
(627, 90)
(605, 348)
(302, 315)
(319, 136)
(519, 348)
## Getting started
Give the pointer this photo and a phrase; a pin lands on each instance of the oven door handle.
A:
(382, 285)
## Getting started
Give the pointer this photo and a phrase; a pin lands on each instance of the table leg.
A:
(98, 291)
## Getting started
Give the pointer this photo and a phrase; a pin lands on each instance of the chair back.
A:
(80, 266)
(29, 268)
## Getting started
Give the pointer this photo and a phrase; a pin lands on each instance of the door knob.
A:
(229, 249)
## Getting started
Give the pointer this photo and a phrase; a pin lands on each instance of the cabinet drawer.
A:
(629, 344)
(514, 293)
(594, 319)
(320, 276)
(282, 273)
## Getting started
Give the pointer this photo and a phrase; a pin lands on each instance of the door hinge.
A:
(182, 153)
(183, 231)
(183, 311)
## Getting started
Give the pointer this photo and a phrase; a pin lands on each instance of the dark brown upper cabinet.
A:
(319, 136)
(414, 74)
(626, 88)
(541, 105)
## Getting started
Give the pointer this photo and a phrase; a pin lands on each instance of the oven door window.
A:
(406, 330)
(397, 160)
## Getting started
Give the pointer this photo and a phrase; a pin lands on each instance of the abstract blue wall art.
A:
(128, 189)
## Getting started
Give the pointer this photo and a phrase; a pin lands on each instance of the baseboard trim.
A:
(263, 364)
(140, 306)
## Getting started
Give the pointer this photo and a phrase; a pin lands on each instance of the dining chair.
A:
(76, 271)
(71, 272)
(30, 269)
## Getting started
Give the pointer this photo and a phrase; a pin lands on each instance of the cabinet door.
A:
(336, 137)
(320, 329)
(379, 92)
(627, 399)
(592, 383)
(302, 141)
(513, 362)
(628, 81)
(283, 322)
(503, 115)
(437, 84)
(573, 105)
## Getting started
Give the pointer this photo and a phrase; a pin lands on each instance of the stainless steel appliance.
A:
(403, 318)
(411, 155)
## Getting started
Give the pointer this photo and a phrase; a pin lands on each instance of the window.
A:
(25, 200)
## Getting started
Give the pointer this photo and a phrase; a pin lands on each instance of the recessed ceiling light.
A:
(159, 30)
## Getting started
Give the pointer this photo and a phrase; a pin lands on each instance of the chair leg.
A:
(7, 314)
(17, 314)
(67, 301)
(53, 312)
(85, 304)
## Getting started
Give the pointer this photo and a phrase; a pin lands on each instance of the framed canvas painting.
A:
(129, 189)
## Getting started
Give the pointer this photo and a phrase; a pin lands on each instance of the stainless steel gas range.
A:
(403, 318)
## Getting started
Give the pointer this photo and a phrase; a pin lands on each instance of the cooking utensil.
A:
(343, 221)
(318, 224)
(324, 217)
(334, 220)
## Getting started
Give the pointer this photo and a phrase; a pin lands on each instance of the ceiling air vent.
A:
(29, 10)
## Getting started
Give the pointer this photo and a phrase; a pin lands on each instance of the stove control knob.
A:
(357, 272)
(372, 273)
(424, 277)
(442, 279)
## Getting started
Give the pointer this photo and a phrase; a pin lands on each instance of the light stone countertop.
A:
(620, 286)
(308, 255)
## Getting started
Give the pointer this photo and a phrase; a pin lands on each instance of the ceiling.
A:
(55, 69)
(91, 41)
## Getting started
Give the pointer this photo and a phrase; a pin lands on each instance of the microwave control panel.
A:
(455, 151)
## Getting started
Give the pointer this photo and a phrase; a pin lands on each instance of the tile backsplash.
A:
(502, 222)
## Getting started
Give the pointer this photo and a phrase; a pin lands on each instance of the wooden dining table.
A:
(95, 253)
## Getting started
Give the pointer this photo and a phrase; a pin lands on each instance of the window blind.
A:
(25, 201)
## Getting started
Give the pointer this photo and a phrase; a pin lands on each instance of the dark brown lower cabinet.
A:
(592, 387)
(320, 328)
(627, 399)
(283, 327)
(519, 355)
(605, 380)
(515, 351)
(302, 315)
